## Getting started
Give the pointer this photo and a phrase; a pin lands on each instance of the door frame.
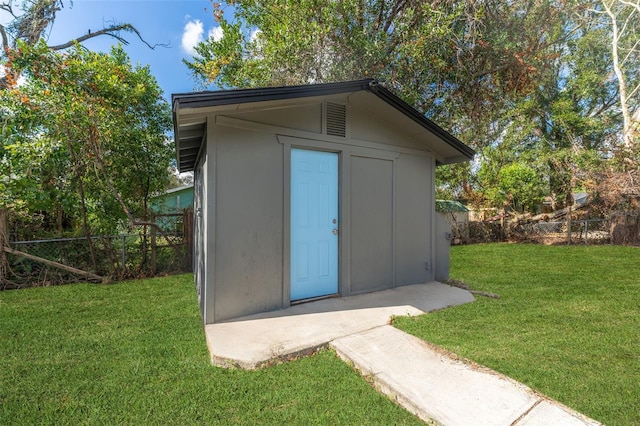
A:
(330, 287)
(310, 145)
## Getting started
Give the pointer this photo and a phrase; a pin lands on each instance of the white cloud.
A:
(254, 35)
(192, 35)
(216, 33)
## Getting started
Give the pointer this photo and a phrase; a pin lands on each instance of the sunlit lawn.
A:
(134, 353)
(567, 323)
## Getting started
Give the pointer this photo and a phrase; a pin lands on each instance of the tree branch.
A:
(631, 51)
(635, 5)
(605, 105)
(633, 92)
(626, 23)
(7, 8)
(110, 31)
(5, 40)
(54, 264)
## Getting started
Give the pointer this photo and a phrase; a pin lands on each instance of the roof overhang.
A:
(190, 111)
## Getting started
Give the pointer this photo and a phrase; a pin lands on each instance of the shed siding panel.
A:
(413, 220)
(368, 125)
(249, 229)
(299, 117)
(371, 222)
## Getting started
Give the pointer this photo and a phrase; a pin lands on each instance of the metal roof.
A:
(189, 134)
(445, 206)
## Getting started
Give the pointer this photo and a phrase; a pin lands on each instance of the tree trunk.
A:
(616, 35)
(85, 226)
(54, 264)
(154, 247)
(625, 228)
(3, 243)
(59, 219)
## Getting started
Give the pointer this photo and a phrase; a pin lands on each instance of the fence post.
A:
(153, 246)
(586, 231)
(569, 226)
(3, 242)
(124, 253)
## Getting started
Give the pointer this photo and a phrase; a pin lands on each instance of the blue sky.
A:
(180, 24)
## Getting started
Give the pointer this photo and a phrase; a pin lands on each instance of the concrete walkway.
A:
(434, 385)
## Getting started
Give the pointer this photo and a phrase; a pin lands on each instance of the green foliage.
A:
(83, 128)
(455, 182)
(517, 81)
(517, 186)
(566, 323)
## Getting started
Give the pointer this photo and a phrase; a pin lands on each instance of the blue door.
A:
(314, 223)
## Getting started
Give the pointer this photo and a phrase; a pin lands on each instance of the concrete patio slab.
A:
(434, 386)
(257, 340)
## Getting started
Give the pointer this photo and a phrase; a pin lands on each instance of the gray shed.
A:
(311, 191)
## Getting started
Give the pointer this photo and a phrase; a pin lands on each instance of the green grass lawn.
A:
(134, 353)
(567, 325)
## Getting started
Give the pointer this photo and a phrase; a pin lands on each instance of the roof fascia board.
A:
(198, 114)
(229, 97)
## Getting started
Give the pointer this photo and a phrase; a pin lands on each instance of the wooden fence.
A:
(178, 225)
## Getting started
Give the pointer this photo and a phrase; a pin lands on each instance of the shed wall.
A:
(249, 211)
(386, 224)
(304, 117)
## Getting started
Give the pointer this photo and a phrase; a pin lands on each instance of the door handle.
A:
(335, 232)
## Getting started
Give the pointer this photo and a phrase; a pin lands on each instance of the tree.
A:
(85, 132)
(82, 135)
(624, 23)
(616, 184)
(517, 187)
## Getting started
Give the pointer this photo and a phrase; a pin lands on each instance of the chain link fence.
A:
(583, 231)
(112, 257)
(586, 231)
(115, 257)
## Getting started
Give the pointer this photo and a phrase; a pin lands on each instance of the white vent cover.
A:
(336, 120)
